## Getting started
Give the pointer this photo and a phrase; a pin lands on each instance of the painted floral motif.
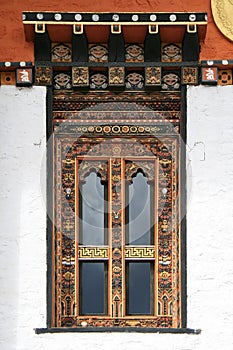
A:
(62, 81)
(98, 81)
(61, 53)
(43, 75)
(225, 77)
(98, 53)
(134, 53)
(189, 75)
(171, 53)
(153, 76)
(134, 81)
(80, 76)
(116, 76)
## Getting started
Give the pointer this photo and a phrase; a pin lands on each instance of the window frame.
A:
(50, 286)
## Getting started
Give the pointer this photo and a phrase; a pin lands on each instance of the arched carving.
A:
(98, 166)
(132, 168)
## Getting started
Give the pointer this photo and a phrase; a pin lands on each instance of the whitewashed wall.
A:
(210, 215)
(22, 229)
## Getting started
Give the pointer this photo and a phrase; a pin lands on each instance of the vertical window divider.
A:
(109, 189)
(110, 237)
(123, 235)
(77, 199)
(156, 263)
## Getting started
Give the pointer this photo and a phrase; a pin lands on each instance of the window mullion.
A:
(156, 243)
(117, 239)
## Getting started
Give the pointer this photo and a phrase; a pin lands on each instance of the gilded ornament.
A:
(223, 16)
(80, 76)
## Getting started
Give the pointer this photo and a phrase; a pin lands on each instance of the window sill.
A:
(116, 329)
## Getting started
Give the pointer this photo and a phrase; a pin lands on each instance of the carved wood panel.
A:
(116, 159)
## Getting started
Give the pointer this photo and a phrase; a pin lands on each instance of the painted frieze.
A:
(61, 52)
(171, 52)
(134, 53)
(98, 53)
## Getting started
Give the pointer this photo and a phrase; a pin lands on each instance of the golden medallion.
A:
(223, 16)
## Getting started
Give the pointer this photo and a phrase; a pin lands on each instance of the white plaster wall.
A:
(210, 215)
(22, 214)
(23, 236)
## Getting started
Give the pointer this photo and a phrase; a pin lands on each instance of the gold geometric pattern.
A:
(116, 76)
(153, 76)
(80, 76)
(139, 252)
(93, 253)
(189, 76)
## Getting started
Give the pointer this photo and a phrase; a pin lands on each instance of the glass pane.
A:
(93, 288)
(138, 213)
(139, 290)
(92, 211)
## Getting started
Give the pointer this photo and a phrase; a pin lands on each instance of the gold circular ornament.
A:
(133, 129)
(116, 129)
(222, 11)
(99, 129)
(125, 129)
(106, 129)
(91, 129)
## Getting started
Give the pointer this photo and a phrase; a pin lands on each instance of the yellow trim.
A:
(115, 23)
(37, 30)
(78, 31)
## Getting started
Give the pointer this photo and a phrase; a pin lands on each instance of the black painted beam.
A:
(80, 47)
(152, 47)
(116, 47)
(190, 47)
(42, 47)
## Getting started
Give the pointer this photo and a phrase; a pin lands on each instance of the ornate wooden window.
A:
(117, 229)
(116, 196)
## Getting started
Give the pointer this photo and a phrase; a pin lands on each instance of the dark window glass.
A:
(139, 211)
(139, 288)
(93, 290)
(93, 213)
